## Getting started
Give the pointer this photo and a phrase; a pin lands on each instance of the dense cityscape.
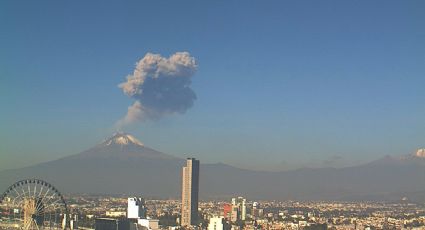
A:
(260, 214)
(103, 212)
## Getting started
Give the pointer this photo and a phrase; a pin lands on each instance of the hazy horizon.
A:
(263, 86)
(324, 164)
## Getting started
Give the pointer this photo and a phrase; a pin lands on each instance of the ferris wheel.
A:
(32, 204)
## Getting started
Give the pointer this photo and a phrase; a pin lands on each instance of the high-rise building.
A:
(190, 190)
(136, 208)
(239, 204)
(234, 216)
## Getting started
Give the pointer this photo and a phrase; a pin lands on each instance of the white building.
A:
(216, 223)
(136, 211)
(151, 224)
(136, 208)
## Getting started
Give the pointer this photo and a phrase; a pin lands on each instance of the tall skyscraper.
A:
(190, 190)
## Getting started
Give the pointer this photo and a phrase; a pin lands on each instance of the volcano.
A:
(122, 146)
(122, 164)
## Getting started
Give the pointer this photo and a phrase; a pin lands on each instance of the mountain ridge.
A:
(124, 165)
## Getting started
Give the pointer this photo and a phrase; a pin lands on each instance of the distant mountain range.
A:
(123, 165)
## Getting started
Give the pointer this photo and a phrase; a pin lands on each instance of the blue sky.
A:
(279, 85)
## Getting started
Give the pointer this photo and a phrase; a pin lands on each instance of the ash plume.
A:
(160, 86)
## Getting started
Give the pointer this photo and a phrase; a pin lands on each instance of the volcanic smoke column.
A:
(190, 190)
(160, 86)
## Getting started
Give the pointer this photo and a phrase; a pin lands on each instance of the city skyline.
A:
(278, 85)
(111, 212)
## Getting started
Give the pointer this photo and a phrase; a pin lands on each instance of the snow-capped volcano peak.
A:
(123, 139)
(420, 153)
(123, 146)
